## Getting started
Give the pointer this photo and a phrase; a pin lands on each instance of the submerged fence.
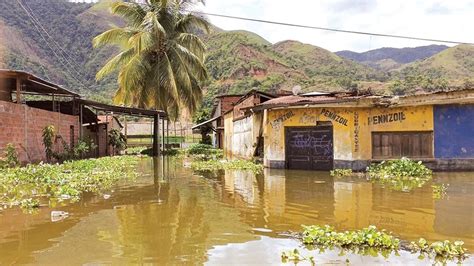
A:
(176, 134)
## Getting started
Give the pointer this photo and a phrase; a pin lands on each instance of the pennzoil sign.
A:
(387, 118)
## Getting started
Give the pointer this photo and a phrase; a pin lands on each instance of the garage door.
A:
(309, 148)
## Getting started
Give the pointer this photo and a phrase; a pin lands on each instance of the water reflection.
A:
(170, 215)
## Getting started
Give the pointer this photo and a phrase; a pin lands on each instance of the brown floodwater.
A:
(171, 215)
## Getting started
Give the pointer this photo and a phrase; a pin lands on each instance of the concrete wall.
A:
(242, 138)
(22, 126)
(353, 128)
(241, 135)
(454, 131)
(228, 133)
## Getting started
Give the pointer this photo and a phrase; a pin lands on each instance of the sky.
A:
(434, 19)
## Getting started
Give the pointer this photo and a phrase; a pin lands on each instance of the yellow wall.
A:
(352, 129)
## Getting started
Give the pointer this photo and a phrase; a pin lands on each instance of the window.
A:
(391, 145)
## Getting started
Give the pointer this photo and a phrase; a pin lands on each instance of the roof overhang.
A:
(205, 122)
(32, 84)
(122, 109)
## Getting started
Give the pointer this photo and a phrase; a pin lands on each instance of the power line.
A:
(47, 43)
(330, 29)
(65, 55)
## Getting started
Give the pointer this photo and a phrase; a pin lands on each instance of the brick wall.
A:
(22, 126)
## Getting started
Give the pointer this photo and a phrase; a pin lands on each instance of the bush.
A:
(200, 149)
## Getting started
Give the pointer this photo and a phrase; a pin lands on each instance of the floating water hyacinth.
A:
(28, 186)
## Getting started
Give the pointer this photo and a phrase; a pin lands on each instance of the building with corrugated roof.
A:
(325, 131)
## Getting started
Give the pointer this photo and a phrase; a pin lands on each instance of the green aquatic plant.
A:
(295, 257)
(402, 168)
(341, 172)
(401, 175)
(371, 241)
(215, 165)
(135, 150)
(326, 236)
(204, 152)
(59, 182)
(439, 191)
(441, 250)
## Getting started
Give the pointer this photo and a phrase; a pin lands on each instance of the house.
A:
(22, 119)
(243, 129)
(28, 104)
(222, 105)
(322, 131)
(98, 133)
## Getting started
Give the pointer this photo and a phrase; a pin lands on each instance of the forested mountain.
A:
(237, 60)
(391, 58)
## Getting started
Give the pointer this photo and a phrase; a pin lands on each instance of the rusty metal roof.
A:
(33, 84)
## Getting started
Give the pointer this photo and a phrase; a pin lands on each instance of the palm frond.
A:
(115, 63)
(132, 12)
(115, 36)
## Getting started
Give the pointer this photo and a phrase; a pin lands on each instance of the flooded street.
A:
(172, 216)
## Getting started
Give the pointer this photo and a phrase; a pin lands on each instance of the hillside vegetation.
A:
(391, 58)
(237, 61)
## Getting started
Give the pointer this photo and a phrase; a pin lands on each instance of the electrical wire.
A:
(61, 60)
(330, 29)
(65, 54)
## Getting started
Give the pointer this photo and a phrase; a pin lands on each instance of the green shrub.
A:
(200, 149)
(116, 139)
(204, 152)
(11, 157)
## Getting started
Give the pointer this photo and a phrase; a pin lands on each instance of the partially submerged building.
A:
(222, 105)
(324, 131)
(28, 104)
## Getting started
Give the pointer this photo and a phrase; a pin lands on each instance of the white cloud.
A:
(435, 19)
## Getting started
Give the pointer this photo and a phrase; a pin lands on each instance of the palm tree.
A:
(161, 60)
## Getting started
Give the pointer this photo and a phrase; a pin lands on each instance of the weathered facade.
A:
(349, 131)
(244, 129)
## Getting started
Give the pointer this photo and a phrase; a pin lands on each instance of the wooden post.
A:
(167, 132)
(97, 133)
(18, 90)
(126, 131)
(156, 134)
(81, 134)
(107, 134)
(163, 134)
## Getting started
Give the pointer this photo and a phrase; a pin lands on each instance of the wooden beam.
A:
(156, 134)
(18, 90)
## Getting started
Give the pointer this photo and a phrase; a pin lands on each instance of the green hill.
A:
(455, 63)
(237, 60)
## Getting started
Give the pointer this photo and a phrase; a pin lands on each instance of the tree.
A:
(161, 60)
